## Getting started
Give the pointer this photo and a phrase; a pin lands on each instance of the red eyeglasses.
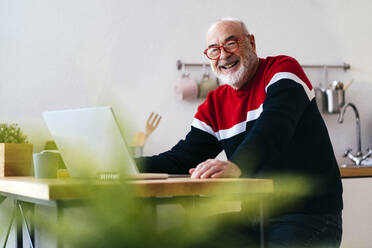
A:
(229, 46)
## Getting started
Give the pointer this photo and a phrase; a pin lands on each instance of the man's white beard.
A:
(236, 79)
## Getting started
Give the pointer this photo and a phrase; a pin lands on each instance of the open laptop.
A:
(92, 145)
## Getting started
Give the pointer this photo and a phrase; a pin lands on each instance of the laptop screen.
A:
(90, 142)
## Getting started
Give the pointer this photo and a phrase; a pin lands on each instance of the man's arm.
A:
(284, 105)
(197, 147)
(285, 102)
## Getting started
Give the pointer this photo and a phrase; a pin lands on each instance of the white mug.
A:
(46, 164)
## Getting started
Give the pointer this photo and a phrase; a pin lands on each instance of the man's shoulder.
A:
(278, 60)
(284, 67)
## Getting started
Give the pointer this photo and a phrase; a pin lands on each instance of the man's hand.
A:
(213, 168)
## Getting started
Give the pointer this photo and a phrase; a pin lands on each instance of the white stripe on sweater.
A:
(253, 114)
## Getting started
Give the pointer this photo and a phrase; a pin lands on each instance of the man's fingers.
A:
(197, 173)
(201, 165)
(211, 171)
(218, 174)
(200, 170)
(213, 168)
(208, 168)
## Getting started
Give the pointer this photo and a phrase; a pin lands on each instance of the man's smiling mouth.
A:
(229, 65)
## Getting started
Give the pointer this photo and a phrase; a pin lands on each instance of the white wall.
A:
(69, 54)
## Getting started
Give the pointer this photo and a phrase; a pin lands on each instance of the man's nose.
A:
(224, 54)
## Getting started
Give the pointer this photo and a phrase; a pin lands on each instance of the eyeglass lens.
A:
(214, 52)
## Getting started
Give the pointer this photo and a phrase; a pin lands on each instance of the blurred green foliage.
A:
(12, 133)
(113, 216)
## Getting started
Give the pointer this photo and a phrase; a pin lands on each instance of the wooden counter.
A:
(69, 189)
(356, 172)
(70, 192)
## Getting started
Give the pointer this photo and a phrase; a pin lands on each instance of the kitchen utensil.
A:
(152, 123)
(206, 86)
(348, 83)
(207, 83)
(186, 88)
(336, 85)
(332, 98)
(335, 99)
(139, 139)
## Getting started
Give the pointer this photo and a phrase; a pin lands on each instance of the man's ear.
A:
(252, 41)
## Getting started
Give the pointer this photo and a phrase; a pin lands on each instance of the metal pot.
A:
(330, 100)
(335, 99)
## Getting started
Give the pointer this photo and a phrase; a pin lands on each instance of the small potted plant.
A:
(15, 151)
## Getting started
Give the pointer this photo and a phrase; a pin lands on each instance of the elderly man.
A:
(265, 118)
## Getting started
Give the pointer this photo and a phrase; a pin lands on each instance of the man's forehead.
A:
(220, 31)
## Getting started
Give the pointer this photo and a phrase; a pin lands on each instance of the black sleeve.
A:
(197, 147)
(285, 102)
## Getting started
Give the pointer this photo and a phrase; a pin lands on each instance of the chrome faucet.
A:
(359, 156)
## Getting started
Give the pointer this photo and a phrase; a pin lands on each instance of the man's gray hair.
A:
(232, 19)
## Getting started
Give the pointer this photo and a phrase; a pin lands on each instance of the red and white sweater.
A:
(270, 127)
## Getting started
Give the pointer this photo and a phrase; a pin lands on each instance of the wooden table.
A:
(61, 192)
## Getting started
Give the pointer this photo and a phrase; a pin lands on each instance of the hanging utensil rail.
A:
(345, 66)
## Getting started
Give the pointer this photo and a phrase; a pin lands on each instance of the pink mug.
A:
(186, 88)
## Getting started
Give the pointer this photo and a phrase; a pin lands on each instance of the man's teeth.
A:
(229, 65)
